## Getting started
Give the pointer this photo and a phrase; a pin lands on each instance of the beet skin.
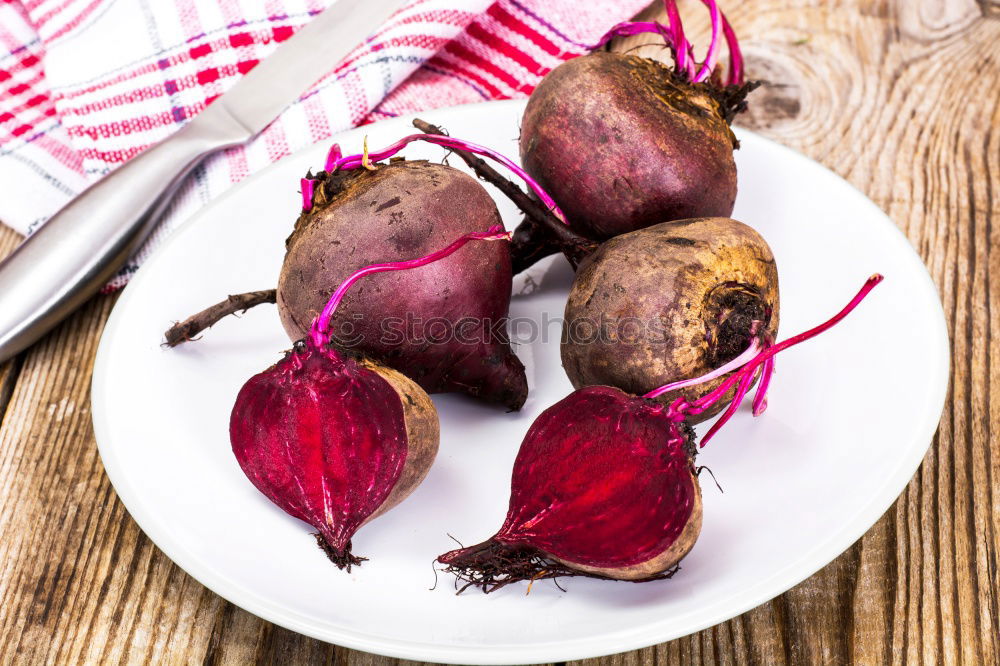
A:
(444, 324)
(670, 302)
(622, 142)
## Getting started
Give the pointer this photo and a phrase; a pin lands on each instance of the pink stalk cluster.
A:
(308, 186)
(683, 50)
(319, 333)
(336, 160)
(746, 366)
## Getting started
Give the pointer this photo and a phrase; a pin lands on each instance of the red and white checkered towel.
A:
(87, 84)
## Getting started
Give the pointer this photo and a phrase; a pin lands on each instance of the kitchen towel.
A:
(87, 84)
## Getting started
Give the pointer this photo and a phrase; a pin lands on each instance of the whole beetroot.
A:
(670, 302)
(442, 325)
(622, 142)
(652, 146)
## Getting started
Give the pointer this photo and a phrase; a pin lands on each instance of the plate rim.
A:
(809, 563)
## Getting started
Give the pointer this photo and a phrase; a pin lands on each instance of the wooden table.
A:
(902, 98)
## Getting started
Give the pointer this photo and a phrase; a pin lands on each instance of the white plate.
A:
(851, 415)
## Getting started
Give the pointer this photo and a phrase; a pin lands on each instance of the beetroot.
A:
(622, 142)
(407, 320)
(442, 325)
(604, 484)
(585, 465)
(334, 439)
(673, 301)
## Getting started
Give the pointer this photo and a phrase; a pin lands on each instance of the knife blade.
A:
(82, 246)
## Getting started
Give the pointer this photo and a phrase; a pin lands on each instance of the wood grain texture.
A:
(8, 371)
(898, 96)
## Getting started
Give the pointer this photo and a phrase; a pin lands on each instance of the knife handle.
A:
(80, 248)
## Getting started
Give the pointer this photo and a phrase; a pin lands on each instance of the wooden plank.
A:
(10, 370)
(897, 96)
(9, 239)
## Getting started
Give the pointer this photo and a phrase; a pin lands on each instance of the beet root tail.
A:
(342, 557)
(496, 377)
(491, 565)
(506, 383)
(189, 329)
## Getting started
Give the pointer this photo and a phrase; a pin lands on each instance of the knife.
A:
(82, 246)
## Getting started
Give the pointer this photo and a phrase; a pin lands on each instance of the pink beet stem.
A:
(680, 409)
(741, 390)
(713, 48)
(735, 364)
(796, 339)
(681, 46)
(333, 156)
(760, 397)
(631, 28)
(735, 54)
(355, 161)
(307, 193)
(673, 35)
(319, 333)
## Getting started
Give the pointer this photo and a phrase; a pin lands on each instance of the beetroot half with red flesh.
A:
(622, 142)
(333, 439)
(585, 466)
(604, 484)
